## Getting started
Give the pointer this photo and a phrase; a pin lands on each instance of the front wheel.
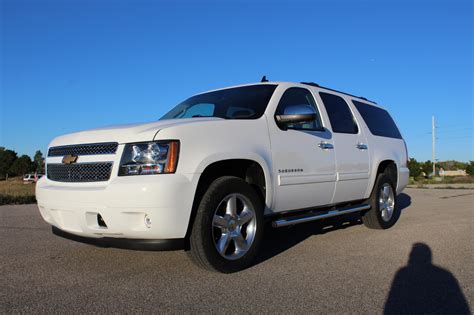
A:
(384, 212)
(228, 228)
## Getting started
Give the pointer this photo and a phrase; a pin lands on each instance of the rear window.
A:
(378, 120)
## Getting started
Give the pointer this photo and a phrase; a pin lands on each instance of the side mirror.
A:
(296, 114)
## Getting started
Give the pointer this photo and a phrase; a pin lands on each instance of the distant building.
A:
(442, 172)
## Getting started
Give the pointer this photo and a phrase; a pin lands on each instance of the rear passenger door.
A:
(350, 146)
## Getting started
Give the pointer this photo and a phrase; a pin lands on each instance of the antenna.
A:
(264, 79)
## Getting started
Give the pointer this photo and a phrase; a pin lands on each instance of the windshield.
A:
(247, 102)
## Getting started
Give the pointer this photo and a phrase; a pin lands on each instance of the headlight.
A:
(147, 158)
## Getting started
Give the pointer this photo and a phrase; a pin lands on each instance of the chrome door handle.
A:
(325, 146)
(361, 146)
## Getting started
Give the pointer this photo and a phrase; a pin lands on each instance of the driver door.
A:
(303, 156)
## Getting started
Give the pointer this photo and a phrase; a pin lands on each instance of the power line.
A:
(456, 137)
(456, 130)
(455, 125)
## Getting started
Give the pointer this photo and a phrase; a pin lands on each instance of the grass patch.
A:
(13, 191)
(441, 180)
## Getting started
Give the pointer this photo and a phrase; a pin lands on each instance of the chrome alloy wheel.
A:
(234, 226)
(386, 202)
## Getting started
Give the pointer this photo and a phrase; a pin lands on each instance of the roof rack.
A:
(329, 89)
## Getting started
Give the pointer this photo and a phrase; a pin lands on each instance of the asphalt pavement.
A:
(425, 263)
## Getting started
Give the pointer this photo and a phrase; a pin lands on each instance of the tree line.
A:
(417, 169)
(13, 165)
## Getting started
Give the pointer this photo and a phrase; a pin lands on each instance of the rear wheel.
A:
(228, 228)
(384, 212)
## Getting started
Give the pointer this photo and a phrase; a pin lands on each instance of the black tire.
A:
(203, 248)
(373, 218)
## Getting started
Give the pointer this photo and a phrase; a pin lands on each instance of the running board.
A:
(314, 217)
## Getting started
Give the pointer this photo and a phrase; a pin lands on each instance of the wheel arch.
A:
(254, 170)
(387, 166)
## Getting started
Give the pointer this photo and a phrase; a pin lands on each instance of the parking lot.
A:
(335, 266)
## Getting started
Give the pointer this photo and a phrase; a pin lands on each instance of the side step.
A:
(314, 217)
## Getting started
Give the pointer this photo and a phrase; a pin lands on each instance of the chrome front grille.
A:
(79, 172)
(84, 149)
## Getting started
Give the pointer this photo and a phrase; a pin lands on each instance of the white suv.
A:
(209, 174)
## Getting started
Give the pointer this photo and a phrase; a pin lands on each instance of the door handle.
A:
(325, 145)
(361, 146)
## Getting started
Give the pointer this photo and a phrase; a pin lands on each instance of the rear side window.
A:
(339, 114)
(378, 120)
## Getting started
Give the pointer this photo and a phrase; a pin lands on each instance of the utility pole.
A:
(434, 143)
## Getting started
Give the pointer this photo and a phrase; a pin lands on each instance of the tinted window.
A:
(299, 97)
(246, 102)
(378, 120)
(339, 114)
(242, 112)
(198, 110)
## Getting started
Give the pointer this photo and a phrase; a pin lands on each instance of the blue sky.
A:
(73, 65)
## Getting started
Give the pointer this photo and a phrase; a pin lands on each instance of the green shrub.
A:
(16, 200)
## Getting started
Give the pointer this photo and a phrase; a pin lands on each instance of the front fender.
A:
(263, 159)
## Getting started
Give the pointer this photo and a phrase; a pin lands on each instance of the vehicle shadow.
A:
(279, 240)
(424, 288)
(403, 201)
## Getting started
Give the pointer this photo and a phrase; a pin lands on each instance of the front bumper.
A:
(123, 203)
(125, 243)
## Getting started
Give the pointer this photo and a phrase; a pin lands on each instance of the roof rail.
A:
(310, 83)
(329, 89)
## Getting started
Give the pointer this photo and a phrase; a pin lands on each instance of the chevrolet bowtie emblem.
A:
(69, 159)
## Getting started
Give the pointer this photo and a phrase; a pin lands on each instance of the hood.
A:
(125, 133)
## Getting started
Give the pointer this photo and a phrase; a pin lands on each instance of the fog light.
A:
(147, 221)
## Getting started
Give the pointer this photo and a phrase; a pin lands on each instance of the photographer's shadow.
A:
(423, 288)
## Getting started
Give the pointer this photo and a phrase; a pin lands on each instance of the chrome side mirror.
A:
(296, 114)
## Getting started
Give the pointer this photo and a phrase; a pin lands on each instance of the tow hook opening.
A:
(100, 221)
